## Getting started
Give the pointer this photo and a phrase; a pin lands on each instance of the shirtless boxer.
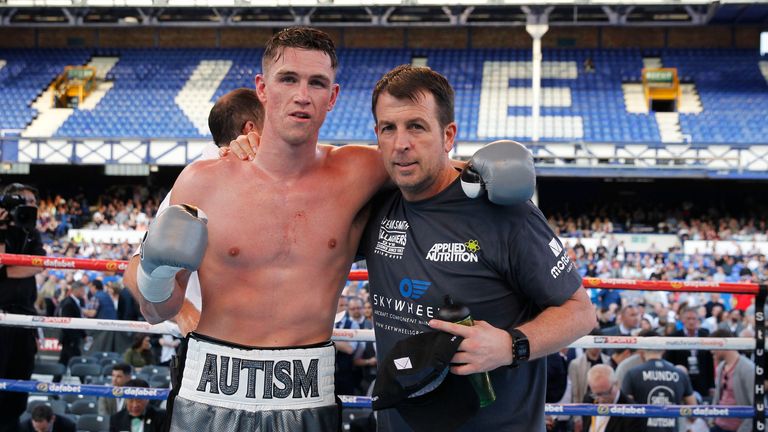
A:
(274, 281)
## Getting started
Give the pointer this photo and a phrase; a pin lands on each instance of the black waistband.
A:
(202, 337)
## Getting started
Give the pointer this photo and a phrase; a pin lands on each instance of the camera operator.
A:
(18, 291)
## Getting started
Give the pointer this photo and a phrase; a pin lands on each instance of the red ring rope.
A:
(119, 266)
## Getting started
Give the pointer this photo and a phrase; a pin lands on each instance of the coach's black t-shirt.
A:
(504, 263)
(657, 382)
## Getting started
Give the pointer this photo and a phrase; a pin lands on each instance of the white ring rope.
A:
(355, 335)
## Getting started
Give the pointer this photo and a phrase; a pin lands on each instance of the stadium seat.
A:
(106, 355)
(93, 423)
(49, 368)
(155, 370)
(72, 398)
(85, 371)
(84, 407)
(110, 361)
(160, 381)
(82, 360)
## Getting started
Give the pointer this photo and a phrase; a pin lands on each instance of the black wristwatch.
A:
(521, 350)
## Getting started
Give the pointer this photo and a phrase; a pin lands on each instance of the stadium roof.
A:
(275, 13)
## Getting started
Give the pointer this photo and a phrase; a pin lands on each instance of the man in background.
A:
(72, 307)
(121, 373)
(137, 414)
(658, 382)
(18, 292)
(44, 420)
(604, 390)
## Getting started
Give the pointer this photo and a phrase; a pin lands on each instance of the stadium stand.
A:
(25, 75)
(168, 92)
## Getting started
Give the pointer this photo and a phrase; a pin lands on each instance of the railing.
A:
(552, 159)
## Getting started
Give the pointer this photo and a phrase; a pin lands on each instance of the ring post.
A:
(759, 402)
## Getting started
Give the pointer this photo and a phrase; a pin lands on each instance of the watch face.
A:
(522, 351)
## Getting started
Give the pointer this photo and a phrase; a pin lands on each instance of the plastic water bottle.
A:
(459, 313)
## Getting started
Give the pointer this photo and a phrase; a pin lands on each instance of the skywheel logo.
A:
(413, 288)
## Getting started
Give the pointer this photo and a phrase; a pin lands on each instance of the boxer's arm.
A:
(156, 313)
(191, 179)
(486, 347)
(188, 317)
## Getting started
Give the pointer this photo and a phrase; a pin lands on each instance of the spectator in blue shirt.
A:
(104, 308)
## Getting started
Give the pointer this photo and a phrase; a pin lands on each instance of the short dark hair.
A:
(307, 38)
(231, 112)
(648, 333)
(42, 412)
(136, 382)
(98, 284)
(124, 367)
(411, 82)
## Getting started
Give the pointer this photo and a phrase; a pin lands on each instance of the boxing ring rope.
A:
(166, 327)
(119, 266)
(362, 335)
(665, 343)
(637, 410)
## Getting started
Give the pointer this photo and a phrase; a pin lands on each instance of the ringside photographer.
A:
(18, 291)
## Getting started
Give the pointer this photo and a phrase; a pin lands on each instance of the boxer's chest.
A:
(282, 224)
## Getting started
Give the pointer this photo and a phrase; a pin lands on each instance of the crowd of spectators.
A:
(709, 224)
(118, 208)
(133, 207)
(619, 313)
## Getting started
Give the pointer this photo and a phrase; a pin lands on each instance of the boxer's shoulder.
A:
(360, 163)
(352, 154)
(197, 177)
(204, 167)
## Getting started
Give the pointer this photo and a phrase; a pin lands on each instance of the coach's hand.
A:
(483, 349)
(504, 169)
(244, 146)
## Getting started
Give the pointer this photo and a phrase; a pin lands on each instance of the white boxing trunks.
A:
(225, 387)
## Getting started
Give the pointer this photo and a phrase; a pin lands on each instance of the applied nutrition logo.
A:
(454, 252)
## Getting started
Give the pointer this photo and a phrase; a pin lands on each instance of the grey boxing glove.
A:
(176, 240)
(503, 168)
